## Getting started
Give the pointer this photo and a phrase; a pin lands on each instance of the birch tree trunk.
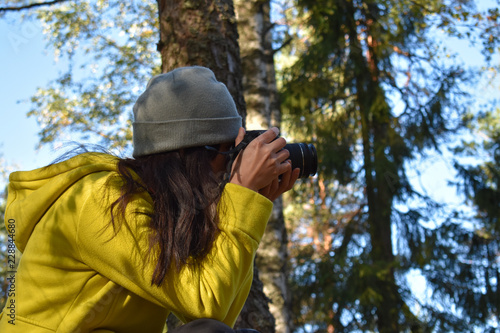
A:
(263, 111)
(204, 33)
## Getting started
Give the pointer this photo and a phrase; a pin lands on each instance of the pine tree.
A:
(480, 183)
(353, 59)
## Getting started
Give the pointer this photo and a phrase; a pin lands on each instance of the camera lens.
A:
(304, 157)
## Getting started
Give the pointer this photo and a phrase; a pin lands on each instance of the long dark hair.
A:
(185, 194)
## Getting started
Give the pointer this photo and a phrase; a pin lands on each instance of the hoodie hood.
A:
(32, 193)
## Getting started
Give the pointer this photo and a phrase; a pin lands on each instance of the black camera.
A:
(302, 156)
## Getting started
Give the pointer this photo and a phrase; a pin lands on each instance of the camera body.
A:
(302, 156)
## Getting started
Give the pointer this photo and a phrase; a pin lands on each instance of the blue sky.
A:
(25, 65)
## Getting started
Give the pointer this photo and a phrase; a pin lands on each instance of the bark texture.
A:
(204, 33)
(259, 79)
(263, 111)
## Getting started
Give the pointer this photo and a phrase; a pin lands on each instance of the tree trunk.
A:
(263, 111)
(204, 33)
(375, 113)
(259, 81)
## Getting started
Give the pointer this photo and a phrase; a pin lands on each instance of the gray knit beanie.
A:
(186, 107)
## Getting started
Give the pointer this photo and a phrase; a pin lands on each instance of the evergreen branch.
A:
(288, 41)
(32, 5)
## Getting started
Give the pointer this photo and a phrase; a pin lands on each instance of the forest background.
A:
(383, 89)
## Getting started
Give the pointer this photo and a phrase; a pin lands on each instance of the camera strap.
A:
(236, 149)
(232, 153)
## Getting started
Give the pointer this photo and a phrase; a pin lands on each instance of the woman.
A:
(115, 245)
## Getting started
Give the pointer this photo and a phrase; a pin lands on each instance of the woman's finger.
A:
(284, 167)
(268, 135)
(293, 178)
(241, 135)
(282, 155)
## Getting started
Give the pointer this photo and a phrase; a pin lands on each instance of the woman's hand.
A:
(260, 164)
(282, 184)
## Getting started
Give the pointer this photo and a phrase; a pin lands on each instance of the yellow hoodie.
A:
(76, 276)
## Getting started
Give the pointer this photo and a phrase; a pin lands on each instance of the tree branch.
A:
(288, 41)
(33, 5)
